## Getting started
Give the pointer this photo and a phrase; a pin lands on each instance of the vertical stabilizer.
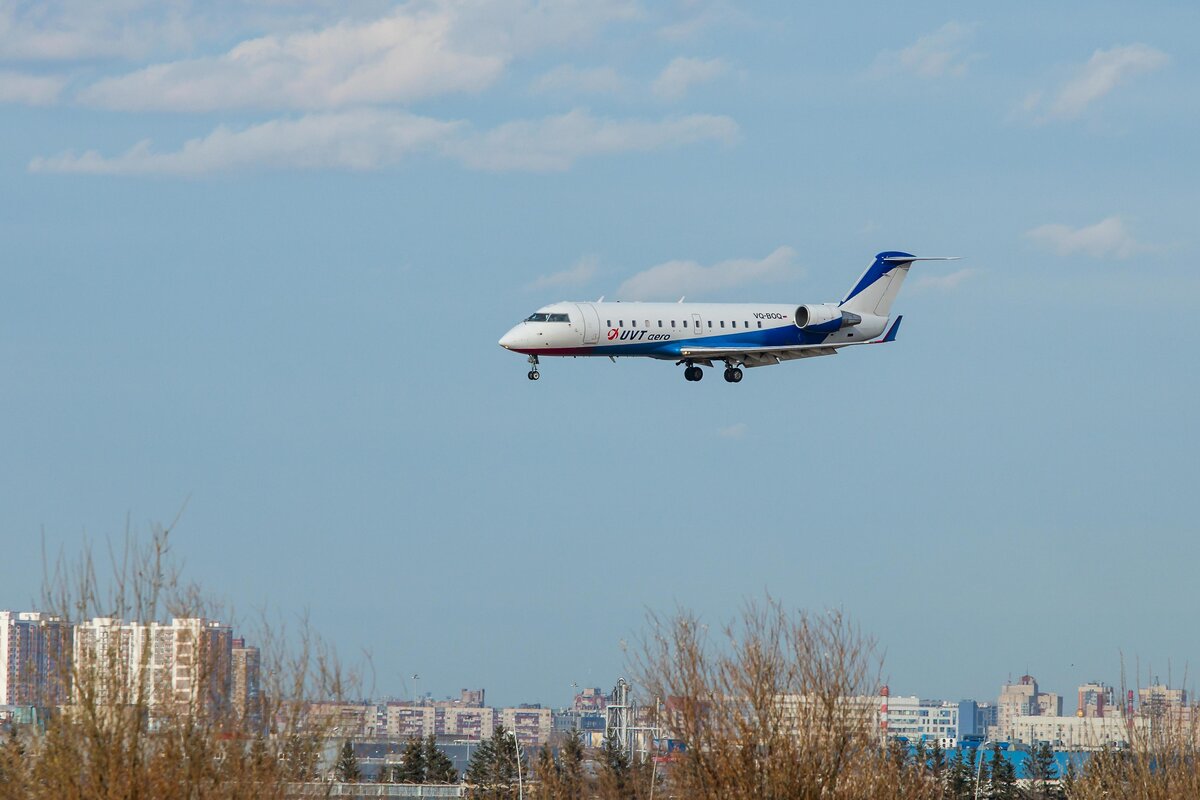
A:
(879, 285)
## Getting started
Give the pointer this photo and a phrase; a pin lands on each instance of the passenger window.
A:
(647, 323)
(672, 323)
(608, 323)
(660, 323)
(620, 323)
(710, 323)
(722, 323)
(760, 323)
(746, 324)
(685, 323)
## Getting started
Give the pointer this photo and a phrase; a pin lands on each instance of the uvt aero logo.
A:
(637, 336)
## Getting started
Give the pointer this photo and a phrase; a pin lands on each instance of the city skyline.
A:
(256, 261)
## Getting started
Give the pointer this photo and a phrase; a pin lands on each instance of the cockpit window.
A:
(560, 318)
(540, 317)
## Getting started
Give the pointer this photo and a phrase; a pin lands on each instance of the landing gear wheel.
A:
(729, 375)
(735, 375)
(534, 375)
(697, 373)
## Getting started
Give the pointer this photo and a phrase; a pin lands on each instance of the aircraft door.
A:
(591, 323)
(698, 324)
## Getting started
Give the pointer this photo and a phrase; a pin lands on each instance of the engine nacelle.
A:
(824, 318)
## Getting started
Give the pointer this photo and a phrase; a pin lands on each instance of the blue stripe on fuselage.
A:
(781, 336)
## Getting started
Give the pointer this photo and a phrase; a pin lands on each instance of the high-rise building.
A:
(35, 650)
(531, 724)
(1096, 700)
(1157, 699)
(247, 691)
(1017, 700)
(186, 663)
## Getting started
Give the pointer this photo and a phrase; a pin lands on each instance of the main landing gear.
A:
(693, 373)
(733, 374)
(533, 368)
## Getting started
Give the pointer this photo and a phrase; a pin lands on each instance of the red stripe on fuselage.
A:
(554, 351)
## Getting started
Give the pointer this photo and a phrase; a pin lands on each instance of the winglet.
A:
(890, 336)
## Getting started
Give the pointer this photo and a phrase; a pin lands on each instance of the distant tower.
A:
(619, 715)
(883, 711)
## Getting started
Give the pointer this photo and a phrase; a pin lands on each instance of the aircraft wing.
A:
(766, 356)
(758, 357)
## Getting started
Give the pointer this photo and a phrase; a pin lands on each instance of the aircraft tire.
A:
(729, 375)
(737, 374)
(697, 373)
(534, 375)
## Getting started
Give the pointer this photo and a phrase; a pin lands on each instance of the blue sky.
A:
(256, 257)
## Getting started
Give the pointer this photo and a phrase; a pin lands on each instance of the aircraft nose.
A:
(509, 340)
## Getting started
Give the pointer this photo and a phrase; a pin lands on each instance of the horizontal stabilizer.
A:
(907, 259)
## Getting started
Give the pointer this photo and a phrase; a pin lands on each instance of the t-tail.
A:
(879, 285)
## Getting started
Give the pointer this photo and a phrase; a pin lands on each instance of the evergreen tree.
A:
(1041, 768)
(412, 762)
(479, 768)
(492, 770)
(937, 761)
(1003, 784)
(438, 766)
(572, 756)
(920, 755)
(960, 777)
(614, 767)
(346, 769)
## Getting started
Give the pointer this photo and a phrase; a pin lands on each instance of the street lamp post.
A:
(517, 751)
(979, 766)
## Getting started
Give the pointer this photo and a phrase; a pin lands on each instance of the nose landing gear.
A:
(533, 369)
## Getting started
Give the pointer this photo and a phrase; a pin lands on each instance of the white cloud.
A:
(355, 140)
(31, 90)
(366, 139)
(74, 30)
(683, 73)
(674, 278)
(1104, 71)
(696, 17)
(577, 274)
(735, 431)
(398, 58)
(942, 52)
(567, 78)
(555, 143)
(945, 283)
(415, 50)
(1106, 239)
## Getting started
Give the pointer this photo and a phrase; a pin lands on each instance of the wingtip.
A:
(890, 336)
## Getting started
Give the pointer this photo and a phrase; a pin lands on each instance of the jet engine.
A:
(824, 318)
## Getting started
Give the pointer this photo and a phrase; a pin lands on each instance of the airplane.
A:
(701, 334)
